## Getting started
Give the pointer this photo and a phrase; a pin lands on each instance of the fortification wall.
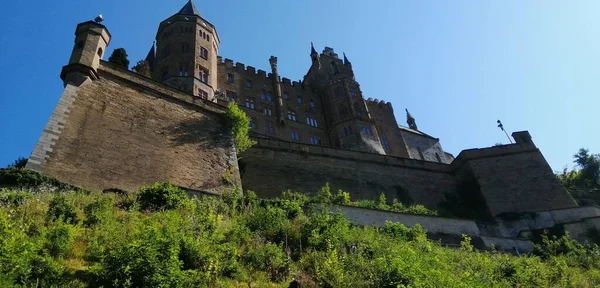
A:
(519, 183)
(125, 130)
(273, 166)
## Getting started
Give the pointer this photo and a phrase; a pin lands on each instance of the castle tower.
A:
(91, 40)
(350, 124)
(186, 53)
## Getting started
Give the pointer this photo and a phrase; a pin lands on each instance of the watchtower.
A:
(186, 53)
(91, 40)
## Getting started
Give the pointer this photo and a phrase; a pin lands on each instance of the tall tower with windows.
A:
(349, 122)
(186, 53)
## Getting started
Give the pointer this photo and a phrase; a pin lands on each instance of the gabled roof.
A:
(189, 9)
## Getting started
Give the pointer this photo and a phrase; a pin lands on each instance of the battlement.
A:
(267, 143)
(371, 101)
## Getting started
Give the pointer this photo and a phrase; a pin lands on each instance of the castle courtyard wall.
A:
(124, 131)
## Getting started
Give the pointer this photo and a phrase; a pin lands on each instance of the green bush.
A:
(238, 123)
(161, 196)
(59, 239)
(97, 210)
(270, 258)
(25, 178)
(10, 197)
(60, 209)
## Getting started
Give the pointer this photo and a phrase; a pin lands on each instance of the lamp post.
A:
(502, 128)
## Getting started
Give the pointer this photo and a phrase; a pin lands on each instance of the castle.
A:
(327, 108)
(113, 128)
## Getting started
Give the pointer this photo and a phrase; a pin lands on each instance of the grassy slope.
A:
(80, 239)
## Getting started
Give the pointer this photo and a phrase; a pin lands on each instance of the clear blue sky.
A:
(458, 66)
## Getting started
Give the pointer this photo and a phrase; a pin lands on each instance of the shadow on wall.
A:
(208, 133)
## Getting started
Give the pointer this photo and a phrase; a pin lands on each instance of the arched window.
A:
(100, 52)
(343, 111)
(347, 131)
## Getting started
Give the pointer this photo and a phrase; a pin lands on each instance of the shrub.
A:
(238, 122)
(59, 239)
(161, 196)
(269, 258)
(96, 210)
(147, 260)
(59, 208)
(25, 178)
(10, 197)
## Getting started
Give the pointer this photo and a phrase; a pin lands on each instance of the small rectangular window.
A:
(315, 140)
(252, 123)
(286, 96)
(269, 128)
(248, 83)
(312, 103)
(185, 47)
(229, 77)
(311, 122)
(250, 103)
(203, 76)
(202, 94)
(295, 135)
(183, 70)
(268, 111)
(203, 53)
(353, 92)
(231, 96)
(292, 115)
(299, 100)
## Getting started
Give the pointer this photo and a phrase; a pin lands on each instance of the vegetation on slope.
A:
(157, 237)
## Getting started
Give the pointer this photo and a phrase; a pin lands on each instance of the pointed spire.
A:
(346, 61)
(312, 49)
(412, 124)
(189, 9)
(151, 54)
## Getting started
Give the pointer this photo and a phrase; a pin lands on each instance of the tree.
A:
(588, 174)
(119, 58)
(590, 166)
(142, 67)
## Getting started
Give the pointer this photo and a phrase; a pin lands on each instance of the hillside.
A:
(157, 236)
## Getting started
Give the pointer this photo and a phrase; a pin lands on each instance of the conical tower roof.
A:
(189, 9)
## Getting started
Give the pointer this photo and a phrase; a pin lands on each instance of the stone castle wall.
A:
(273, 166)
(124, 131)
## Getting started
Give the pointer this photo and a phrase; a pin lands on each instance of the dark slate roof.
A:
(416, 132)
(150, 56)
(189, 9)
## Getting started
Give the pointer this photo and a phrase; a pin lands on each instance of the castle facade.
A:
(326, 109)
